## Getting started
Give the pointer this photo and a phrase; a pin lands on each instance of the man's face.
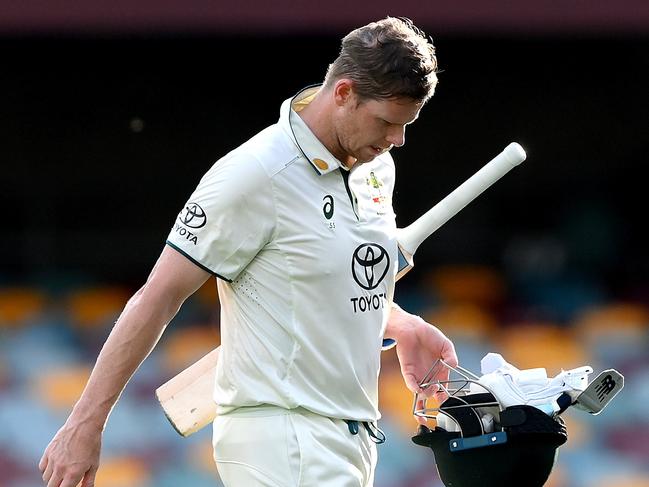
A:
(371, 127)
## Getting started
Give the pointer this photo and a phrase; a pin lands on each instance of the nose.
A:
(396, 135)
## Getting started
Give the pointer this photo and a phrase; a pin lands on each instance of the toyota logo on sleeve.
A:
(192, 216)
(370, 264)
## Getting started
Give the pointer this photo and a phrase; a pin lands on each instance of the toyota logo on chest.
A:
(370, 264)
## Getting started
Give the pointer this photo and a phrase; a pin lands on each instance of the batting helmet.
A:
(478, 442)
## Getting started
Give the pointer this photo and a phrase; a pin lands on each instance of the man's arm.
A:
(73, 453)
(419, 344)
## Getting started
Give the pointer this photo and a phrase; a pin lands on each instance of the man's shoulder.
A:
(272, 149)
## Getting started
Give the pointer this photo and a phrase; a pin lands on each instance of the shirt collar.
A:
(313, 150)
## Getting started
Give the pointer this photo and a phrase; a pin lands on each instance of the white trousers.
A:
(274, 447)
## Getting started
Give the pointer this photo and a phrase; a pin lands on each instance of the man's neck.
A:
(318, 116)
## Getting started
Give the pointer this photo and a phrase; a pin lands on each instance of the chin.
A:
(365, 157)
(364, 160)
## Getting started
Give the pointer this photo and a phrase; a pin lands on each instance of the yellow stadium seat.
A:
(19, 304)
(60, 389)
(96, 307)
(186, 345)
(467, 321)
(532, 344)
(207, 294)
(122, 472)
(395, 401)
(478, 285)
(613, 321)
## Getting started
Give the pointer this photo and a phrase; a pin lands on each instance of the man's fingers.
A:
(42, 465)
(72, 479)
(47, 472)
(89, 478)
(71, 457)
(441, 396)
(448, 353)
(411, 382)
(431, 390)
(437, 343)
(55, 480)
(420, 405)
(445, 378)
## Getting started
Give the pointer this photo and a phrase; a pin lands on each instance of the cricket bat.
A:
(187, 398)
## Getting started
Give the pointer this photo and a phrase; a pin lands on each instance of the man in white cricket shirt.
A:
(297, 224)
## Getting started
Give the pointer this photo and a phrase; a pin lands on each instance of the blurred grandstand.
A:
(112, 111)
(48, 341)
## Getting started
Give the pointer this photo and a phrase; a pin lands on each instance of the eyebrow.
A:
(396, 123)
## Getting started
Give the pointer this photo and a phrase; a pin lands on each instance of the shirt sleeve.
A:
(228, 219)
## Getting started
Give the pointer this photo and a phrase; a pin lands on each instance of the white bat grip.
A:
(413, 235)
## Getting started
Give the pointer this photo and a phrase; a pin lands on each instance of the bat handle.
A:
(410, 237)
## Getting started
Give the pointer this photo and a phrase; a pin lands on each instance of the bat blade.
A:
(187, 398)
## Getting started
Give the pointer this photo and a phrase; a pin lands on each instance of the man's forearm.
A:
(134, 335)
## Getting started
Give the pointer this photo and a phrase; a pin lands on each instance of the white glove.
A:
(512, 386)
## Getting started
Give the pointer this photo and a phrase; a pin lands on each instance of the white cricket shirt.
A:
(306, 254)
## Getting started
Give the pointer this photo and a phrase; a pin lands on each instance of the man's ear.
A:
(343, 91)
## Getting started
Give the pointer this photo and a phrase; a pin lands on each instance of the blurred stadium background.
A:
(110, 113)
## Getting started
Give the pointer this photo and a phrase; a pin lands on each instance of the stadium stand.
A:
(45, 357)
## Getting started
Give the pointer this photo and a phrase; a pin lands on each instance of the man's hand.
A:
(419, 344)
(72, 456)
